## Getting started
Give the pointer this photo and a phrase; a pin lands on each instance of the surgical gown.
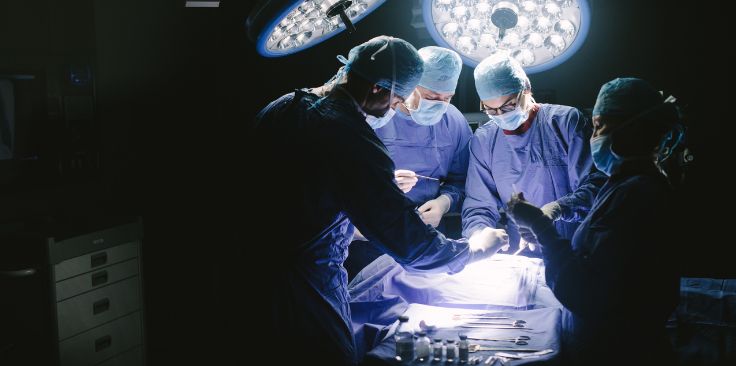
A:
(618, 278)
(438, 151)
(331, 172)
(549, 162)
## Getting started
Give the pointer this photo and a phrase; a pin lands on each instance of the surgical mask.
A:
(378, 122)
(429, 112)
(603, 157)
(511, 120)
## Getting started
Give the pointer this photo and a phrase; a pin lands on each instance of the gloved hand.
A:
(523, 244)
(553, 210)
(528, 239)
(405, 179)
(431, 211)
(524, 213)
(486, 242)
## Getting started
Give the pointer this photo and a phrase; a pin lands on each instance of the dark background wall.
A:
(175, 88)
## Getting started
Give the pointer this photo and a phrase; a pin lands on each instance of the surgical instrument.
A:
(515, 323)
(496, 327)
(520, 356)
(477, 316)
(478, 348)
(426, 177)
(519, 341)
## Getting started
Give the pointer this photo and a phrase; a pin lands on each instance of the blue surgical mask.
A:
(378, 122)
(603, 157)
(511, 120)
(429, 112)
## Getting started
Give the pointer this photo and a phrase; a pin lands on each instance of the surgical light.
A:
(540, 34)
(281, 28)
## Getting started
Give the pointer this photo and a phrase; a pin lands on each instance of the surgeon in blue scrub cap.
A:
(535, 148)
(427, 136)
(617, 277)
(326, 173)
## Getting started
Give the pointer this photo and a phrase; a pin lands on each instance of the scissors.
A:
(519, 341)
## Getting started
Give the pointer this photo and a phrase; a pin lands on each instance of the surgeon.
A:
(539, 149)
(617, 277)
(326, 173)
(427, 139)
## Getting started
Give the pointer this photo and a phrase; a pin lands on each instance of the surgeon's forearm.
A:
(442, 256)
(576, 204)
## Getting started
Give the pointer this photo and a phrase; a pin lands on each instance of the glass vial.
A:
(404, 341)
(450, 351)
(422, 347)
(463, 349)
(437, 350)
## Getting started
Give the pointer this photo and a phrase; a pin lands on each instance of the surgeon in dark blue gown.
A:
(324, 173)
(617, 277)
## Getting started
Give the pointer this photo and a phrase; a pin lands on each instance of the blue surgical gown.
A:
(438, 151)
(618, 277)
(323, 170)
(551, 161)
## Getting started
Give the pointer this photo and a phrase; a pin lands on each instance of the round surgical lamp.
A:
(283, 27)
(540, 34)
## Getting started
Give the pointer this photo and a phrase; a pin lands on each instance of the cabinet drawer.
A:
(93, 261)
(101, 343)
(91, 309)
(89, 281)
(133, 357)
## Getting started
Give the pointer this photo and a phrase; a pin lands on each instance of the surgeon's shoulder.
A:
(276, 105)
(486, 131)
(346, 129)
(645, 191)
(561, 114)
(455, 119)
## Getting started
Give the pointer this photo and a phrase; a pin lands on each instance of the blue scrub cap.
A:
(391, 63)
(626, 97)
(441, 69)
(498, 75)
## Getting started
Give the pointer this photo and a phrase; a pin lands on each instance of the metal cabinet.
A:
(75, 301)
(98, 297)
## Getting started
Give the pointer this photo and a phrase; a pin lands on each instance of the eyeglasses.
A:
(506, 107)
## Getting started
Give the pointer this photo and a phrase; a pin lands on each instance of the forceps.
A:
(519, 341)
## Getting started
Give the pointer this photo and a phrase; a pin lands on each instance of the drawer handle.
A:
(102, 343)
(17, 273)
(100, 306)
(98, 259)
(99, 278)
